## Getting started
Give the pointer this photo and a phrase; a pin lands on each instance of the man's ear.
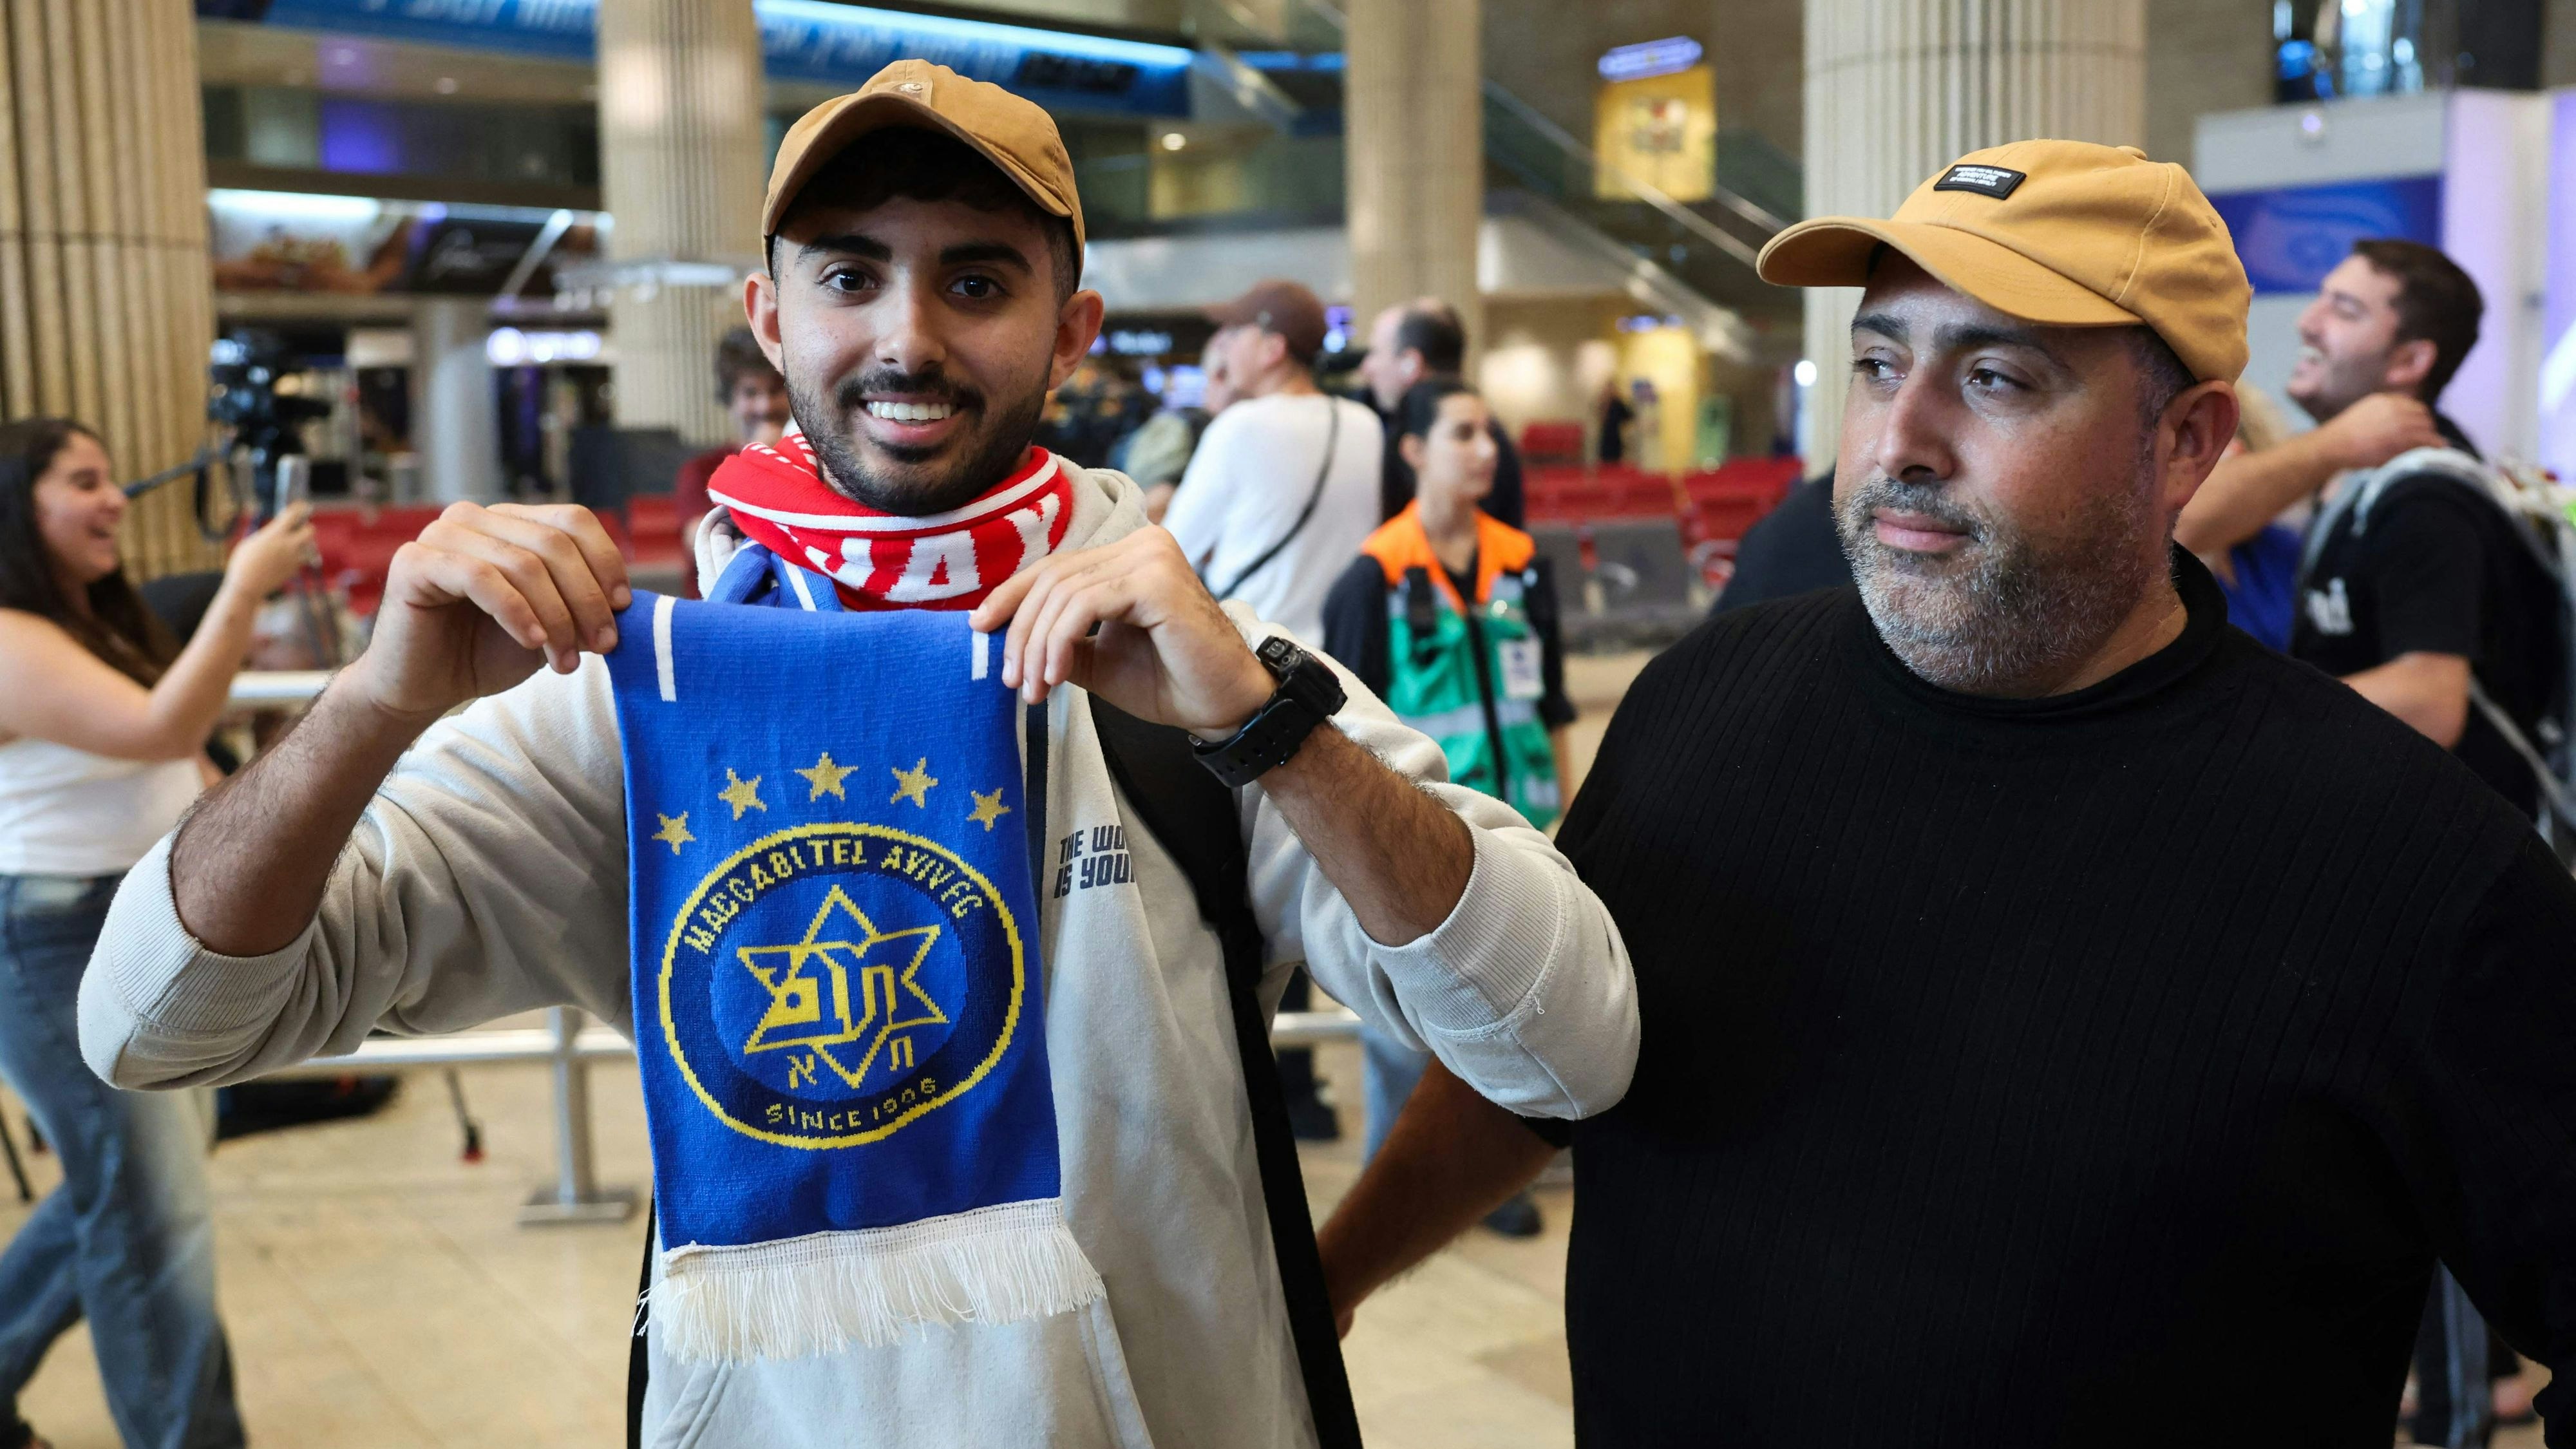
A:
(1077, 324)
(1411, 448)
(760, 309)
(2409, 363)
(2195, 430)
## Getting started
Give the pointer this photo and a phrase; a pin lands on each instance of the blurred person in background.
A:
(1284, 484)
(2238, 524)
(2425, 595)
(1610, 445)
(1159, 452)
(1450, 616)
(755, 398)
(1793, 549)
(103, 725)
(1415, 342)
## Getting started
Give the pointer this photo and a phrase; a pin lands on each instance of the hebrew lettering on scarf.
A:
(838, 1011)
(779, 499)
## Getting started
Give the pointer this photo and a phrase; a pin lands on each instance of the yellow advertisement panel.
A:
(1660, 130)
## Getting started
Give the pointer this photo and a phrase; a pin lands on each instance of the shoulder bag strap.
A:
(1323, 474)
(1194, 817)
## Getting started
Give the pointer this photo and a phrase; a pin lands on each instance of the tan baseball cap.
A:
(2063, 233)
(1012, 132)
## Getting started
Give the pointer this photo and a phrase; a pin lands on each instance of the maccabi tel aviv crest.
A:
(831, 982)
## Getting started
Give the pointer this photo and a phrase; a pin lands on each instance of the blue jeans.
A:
(127, 1239)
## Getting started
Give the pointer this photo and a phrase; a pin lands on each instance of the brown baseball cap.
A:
(2063, 233)
(1282, 306)
(1012, 132)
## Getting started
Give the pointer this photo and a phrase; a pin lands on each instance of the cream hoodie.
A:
(488, 877)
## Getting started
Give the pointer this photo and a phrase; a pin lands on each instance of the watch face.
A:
(1278, 655)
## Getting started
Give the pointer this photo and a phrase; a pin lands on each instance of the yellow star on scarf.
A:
(988, 808)
(675, 830)
(915, 782)
(825, 777)
(740, 793)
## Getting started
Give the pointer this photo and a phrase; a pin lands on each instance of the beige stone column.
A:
(1413, 142)
(680, 150)
(1896, 89)
(106, 295)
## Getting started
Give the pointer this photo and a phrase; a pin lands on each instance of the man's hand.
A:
(2378, 428)
(472, 607)
(1164, 651)
(483, 597)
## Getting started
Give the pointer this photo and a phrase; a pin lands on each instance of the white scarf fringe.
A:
(827, 1292)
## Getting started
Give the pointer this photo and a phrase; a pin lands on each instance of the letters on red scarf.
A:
(951, 560)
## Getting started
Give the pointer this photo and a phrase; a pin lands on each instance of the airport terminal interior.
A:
(377, 258)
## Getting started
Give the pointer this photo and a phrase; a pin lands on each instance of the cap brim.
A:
(1835, 251)
(862, 114)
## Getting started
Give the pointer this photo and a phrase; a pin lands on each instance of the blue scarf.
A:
(836, 979)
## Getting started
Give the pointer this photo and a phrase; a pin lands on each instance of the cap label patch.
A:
(1995, 181)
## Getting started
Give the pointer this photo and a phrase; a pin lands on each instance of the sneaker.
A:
(1516, 1219)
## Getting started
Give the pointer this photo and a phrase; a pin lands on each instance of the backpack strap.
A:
(1194, 817)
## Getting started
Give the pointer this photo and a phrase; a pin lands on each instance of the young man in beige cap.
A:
(2066, 1021)
(381, 870)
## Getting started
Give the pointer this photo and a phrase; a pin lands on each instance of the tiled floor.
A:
(379, 1295)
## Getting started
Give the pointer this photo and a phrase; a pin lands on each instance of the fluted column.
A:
(1896, 89)
(106, 296)
(680, 151)
(1413, 140)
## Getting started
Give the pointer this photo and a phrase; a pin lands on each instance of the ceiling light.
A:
(447, 85)
(1174, 140)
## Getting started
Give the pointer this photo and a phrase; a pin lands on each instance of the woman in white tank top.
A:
(103, 726)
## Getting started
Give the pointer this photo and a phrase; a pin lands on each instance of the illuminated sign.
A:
(1649, 57)
(799, 40)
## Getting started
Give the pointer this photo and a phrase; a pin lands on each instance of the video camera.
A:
(267, 424)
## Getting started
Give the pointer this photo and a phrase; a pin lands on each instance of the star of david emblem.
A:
(812, 1004)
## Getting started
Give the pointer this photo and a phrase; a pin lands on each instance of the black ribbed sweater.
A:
(2099, 1070)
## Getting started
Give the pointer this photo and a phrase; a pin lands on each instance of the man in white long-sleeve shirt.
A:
(384, 867)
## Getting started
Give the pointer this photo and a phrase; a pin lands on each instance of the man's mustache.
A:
(1927, 499)
(931, 386)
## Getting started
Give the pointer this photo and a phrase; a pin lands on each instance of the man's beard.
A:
(990, 448)
(2343, 382)
(2007, 612)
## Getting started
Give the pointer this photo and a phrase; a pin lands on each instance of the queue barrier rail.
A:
(569, 1043)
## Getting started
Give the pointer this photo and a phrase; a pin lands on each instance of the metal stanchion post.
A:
(576, 1196)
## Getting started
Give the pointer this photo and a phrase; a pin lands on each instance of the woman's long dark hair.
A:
(116, 627)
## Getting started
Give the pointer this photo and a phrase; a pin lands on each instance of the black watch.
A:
(1308, 694)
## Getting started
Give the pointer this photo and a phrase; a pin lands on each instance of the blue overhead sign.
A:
(2289, 237)
(1649, 57)
(800, 40)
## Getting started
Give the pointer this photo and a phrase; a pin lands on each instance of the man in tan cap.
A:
(921, 299)
(2066, 1022)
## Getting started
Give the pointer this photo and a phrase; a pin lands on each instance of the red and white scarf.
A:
(951, 560)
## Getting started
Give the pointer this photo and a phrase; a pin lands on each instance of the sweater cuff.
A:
(1481, 968)
(150, 978)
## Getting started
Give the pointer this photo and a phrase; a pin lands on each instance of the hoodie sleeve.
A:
(1524, 991)
(485, 878)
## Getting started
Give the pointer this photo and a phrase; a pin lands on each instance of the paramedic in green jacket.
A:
(1449, 614)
